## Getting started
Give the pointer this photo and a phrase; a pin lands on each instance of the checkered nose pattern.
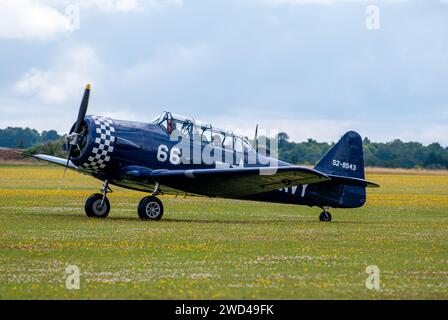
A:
(104, 144)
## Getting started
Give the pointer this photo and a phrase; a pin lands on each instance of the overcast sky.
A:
(310, 68)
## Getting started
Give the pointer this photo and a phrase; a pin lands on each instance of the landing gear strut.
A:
(325, 216)
(151, 208)
(97, 205)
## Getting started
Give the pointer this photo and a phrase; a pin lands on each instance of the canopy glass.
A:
(192, 128)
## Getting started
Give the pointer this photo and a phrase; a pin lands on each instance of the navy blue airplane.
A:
(162, 158)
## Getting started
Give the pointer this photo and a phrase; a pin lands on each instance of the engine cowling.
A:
(96, 146)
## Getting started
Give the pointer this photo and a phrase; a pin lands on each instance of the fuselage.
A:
(111, 145)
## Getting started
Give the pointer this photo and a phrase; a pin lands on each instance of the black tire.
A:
(92, 206)
(150, 208)
(325, 216)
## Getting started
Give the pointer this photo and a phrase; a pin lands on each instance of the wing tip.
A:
(372, 185)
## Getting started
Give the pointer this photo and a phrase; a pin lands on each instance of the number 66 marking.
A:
(174, 156)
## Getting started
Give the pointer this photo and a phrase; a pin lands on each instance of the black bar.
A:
(225, 309)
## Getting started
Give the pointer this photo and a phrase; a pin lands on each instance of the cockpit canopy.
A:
(194, 129)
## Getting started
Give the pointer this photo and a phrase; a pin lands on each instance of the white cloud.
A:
(72, 71)
(23, 19)
(169, 64)
(43, 19)
(132, 5)
(116, 5)
(324, 2)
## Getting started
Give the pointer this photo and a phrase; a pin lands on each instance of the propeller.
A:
(74, 137)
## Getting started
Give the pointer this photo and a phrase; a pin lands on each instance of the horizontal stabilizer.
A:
(353, 181)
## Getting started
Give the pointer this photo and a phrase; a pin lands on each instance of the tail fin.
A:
(345, 158)
(344, 164)
(345, 161)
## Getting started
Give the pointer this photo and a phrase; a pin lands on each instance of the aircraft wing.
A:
(58, 161)
(55, 160)
(229, 182)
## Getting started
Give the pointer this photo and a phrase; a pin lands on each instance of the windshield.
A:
(190, 127)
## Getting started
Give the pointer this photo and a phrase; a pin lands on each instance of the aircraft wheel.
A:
(93, 206)
(150, 208)
(325, 216)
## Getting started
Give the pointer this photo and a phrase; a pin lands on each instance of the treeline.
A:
(22, 138)
(395, 154)
(52, 148)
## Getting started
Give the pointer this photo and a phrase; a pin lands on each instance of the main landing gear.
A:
(325, 216)
(97, 205)
(149, 208)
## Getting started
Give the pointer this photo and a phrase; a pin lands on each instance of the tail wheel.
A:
(95, 207)
(150, 208)
(325, 216)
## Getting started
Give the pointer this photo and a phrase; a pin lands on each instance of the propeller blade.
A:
(82, 109)
(256, 138)
(65, 169)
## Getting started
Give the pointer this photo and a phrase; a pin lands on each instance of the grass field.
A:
(220, 249)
